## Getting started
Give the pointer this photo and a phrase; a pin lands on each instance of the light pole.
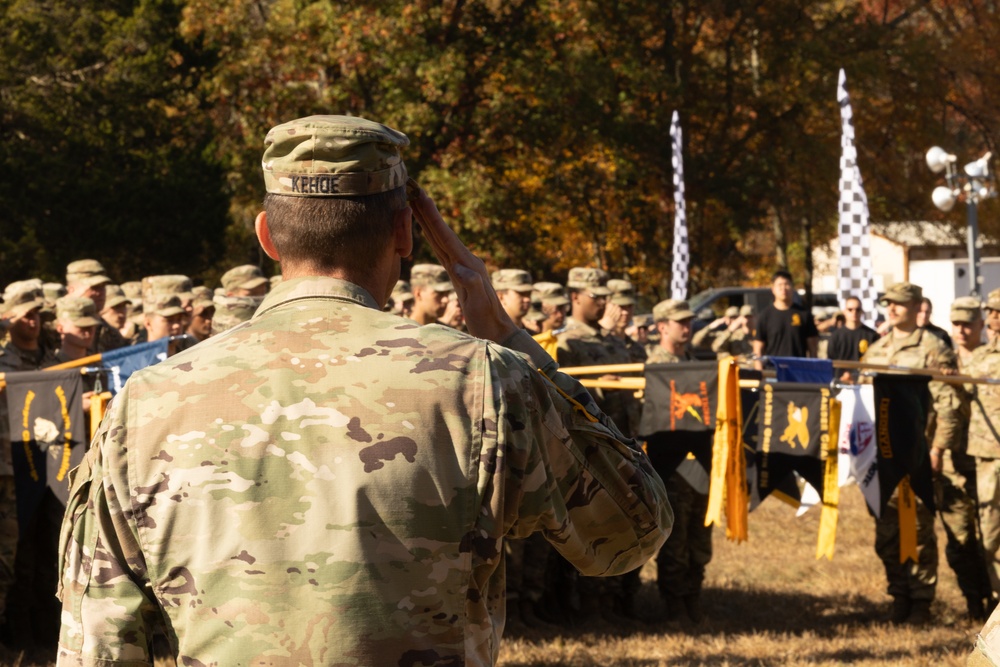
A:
(975, 184)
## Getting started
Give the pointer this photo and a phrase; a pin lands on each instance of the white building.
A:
(930, 254)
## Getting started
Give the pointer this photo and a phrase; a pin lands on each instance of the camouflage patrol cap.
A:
(430, 275)
(551, 294)
(966, 309)
(176, 284)
(993, 300)
(401, 292)
(515, 279)
(53, 292)
(732, 311)
(87, 272)
(163, 304)
(901, 293)
(133, 290)
(642, 320)
(622, 292)
(22, 297)
(247, 276)
(201, 298)
(233, 310)
(535, 315)
(672, 309)
(746, 310)
(594, 280)
(77, 310)
(330, 156)
(115, 296)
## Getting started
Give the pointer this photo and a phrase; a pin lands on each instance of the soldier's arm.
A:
(947, 401)
(719, 344)
(698, 341)
(590, 490)
(108, 607)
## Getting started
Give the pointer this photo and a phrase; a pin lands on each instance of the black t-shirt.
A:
(785, 332)
(849, 344)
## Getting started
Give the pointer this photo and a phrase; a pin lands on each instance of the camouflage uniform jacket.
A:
(660, 355)
(984, 424)
(331, 484)
(14, 359)
(582, 345)
(107, 338)
(925, 350)
(736, 343)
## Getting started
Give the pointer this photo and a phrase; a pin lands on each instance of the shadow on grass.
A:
(739, 612)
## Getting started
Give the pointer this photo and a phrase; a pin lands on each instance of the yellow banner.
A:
(728, 484)
(831, 491)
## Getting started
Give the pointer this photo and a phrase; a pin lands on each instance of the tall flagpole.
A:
(856, 277)
(679, 272)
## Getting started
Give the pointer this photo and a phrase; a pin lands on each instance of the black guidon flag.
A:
(47, 433)
(793, 425)
(678, 418)
(902, 403)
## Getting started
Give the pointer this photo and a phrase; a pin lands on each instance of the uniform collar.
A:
(909, 341)
(316, 287)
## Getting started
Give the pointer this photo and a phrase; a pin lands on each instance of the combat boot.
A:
(674, 610)
(920, 612)
(900, 610)
(692, 605)
(976, 609)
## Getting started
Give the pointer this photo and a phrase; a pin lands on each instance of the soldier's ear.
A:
(402, 231)
(264, 236)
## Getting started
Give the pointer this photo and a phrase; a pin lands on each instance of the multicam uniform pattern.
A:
(984, 444)
(332, 484)
(920, 349)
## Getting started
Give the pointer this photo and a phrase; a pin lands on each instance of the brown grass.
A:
(767, 601)
(770, 602)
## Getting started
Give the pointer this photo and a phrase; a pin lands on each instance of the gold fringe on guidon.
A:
(728, 485)
(831, 489)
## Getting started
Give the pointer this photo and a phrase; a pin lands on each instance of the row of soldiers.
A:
(43, 325)
(592, 322)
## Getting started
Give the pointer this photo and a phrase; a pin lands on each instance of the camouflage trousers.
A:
(680, 565)
(988, 490)
(915, 581)
(955, 493)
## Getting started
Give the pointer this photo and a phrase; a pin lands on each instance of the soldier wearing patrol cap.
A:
(430, 286)
(736, 339)
(26, 350)
(246, 280)
(705, 337)
(163, 317)
(402, 299)
(555, 305)
(617, 317)
(76, 322)
(912, 585)
(514, 287)
(87, 278)
(582, 343)
(956, 485)
(345, 474)
(231, 311)
(984, 442)
(202, 313)
(681, 563)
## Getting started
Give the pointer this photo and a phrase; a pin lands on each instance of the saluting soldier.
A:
(737, 339)
(88, 278)
(955, 487)
(912, 585)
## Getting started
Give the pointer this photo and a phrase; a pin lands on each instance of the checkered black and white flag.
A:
(856, 277)
(679, 272)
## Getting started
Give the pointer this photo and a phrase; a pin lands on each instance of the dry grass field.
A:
(768, 602)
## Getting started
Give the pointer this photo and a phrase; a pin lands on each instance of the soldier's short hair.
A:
(329, 232)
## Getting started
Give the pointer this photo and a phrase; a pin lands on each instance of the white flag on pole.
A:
(856, 278)
(679, 273)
